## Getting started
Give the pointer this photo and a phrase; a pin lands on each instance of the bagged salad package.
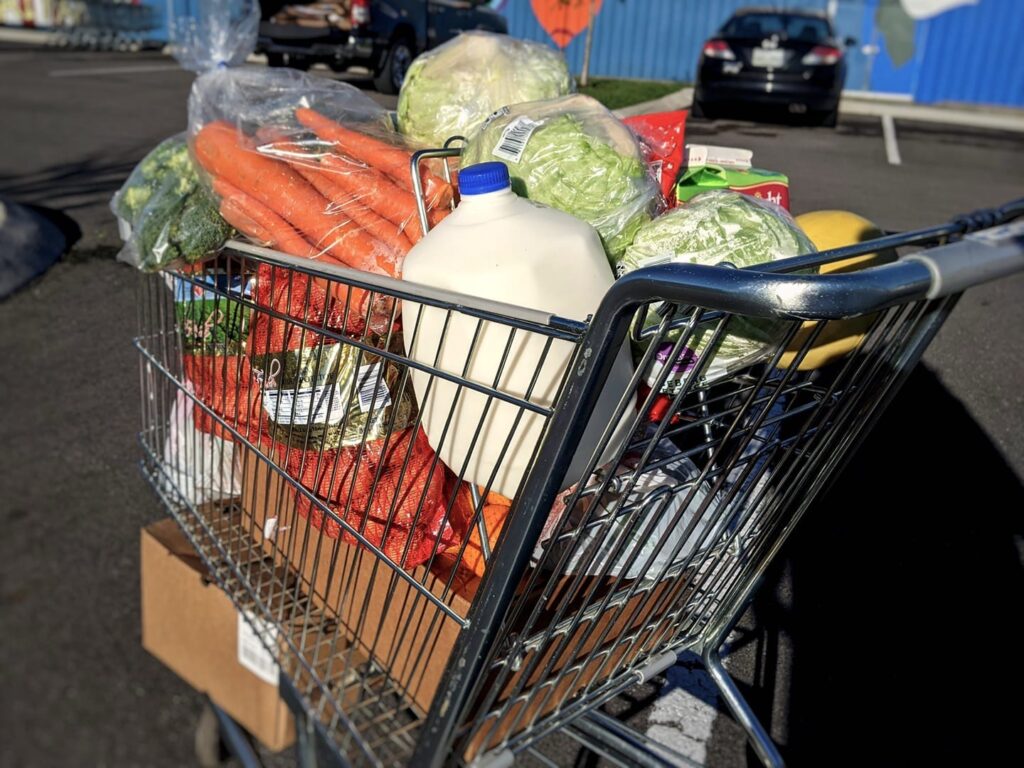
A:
(573, 154)
(450, 90)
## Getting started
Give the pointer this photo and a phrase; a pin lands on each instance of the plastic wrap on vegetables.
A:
(309, 166)
(573, 154)
(714, 228)
(451, 90)
(172, 217)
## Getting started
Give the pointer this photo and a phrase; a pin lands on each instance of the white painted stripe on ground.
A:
(99, 71)
(892, 149)
(681, 717)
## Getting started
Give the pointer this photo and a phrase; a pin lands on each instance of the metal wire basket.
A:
(411, 624)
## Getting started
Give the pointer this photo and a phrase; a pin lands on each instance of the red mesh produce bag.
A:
(225, 384)
(411, 500)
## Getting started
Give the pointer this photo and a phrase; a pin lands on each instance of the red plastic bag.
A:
(663, 136)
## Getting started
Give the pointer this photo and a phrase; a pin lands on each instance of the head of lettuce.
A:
(574, 155)
(450, 90)
(715, 228)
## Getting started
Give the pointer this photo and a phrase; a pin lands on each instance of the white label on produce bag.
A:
(373, 391)
(514, 139)
(252, 653)
(312, 405)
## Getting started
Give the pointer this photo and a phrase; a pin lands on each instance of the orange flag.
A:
(564, 19)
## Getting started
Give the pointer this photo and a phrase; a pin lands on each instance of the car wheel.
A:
(697, 109)
(829, 119)
(396, 64)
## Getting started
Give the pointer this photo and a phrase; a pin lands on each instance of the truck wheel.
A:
(396, 64)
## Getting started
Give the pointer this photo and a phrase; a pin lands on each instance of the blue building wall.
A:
(969, 54)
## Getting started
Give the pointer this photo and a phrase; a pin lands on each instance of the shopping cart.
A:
(106, 25)
(407, 630)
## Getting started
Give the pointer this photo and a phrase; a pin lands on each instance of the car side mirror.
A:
(849, 42)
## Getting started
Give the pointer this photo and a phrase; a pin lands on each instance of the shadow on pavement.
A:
(68, 186)
(892, 607)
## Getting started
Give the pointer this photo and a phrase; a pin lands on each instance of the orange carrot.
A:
(394, 161)
(377, 192)
(353, 207)
(258, 221)
(222, 152)
(437, 215)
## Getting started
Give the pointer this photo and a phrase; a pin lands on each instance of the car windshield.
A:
(760, 25)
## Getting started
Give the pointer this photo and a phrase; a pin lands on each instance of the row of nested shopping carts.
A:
(598, 579)
(106, 25)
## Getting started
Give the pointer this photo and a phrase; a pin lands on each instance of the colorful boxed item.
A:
(764, 185)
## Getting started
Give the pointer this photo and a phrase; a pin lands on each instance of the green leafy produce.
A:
(713, 228)
(574, 155)
(452, 89)
(173, 216)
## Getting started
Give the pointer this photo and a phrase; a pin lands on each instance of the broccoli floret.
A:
(155, 236)
(168, 156)
(132, 200)
(200, 230)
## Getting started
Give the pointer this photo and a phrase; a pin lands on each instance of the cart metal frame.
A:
(761, 439)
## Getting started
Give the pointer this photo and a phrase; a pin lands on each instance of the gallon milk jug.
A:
(498, 246)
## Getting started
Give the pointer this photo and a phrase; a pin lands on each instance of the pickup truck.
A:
(383, 36)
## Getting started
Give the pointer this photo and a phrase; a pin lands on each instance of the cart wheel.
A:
(211, 752)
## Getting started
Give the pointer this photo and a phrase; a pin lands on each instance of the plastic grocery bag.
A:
(573, 154)
(659, 521)
(201, 466)
(713, 228)
(450, 90)
(172, 218)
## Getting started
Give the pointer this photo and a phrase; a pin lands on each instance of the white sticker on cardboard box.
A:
(252, 653)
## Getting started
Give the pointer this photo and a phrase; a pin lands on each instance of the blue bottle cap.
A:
(483, 177)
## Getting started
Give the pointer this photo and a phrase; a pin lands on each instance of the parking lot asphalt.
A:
(867, 632)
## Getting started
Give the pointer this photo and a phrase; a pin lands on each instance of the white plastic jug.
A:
(501, 247)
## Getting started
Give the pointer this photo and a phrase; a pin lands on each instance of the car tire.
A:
(275, 60)
(396, 63)
(829, 119)
(697, 109)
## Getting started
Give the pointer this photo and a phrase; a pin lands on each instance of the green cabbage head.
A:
(451, 89)
(715, 227)
(578, 158)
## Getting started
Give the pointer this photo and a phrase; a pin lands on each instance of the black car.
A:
(383, 36)
(764, 57)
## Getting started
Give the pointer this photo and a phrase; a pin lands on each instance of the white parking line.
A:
(682, 718)
(892, 149)
(129, 70)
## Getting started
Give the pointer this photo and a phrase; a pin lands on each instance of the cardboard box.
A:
(407, 635)
(193, 628)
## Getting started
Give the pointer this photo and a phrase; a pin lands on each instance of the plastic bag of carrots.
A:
(311, 167)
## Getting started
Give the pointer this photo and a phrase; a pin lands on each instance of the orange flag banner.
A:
(564, 19)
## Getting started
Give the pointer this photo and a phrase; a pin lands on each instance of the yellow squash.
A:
(828, 230)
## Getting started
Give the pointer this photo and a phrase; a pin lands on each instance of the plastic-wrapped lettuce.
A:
(715, 227)
(450, 90)
(573, 154)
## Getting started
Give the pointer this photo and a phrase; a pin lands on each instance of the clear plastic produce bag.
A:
(713, 228)
(573, 154)
(171, 216)
(450, 90)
